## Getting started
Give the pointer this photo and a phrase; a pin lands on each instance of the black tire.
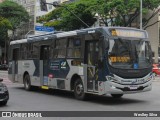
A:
(3, 102)
(116, 95)
(79, 90)
(27, 83)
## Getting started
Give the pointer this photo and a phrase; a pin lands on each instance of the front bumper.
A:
(4, 96)
(115, 88)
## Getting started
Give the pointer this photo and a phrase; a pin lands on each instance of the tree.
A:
(16, 14)
(61, 18)
(4, 23)
(52, 19)
(12, 16)
(4, 26)
(124, 12)
(112, 13)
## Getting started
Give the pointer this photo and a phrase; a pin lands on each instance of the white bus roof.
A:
(18, 41)
(53, 35)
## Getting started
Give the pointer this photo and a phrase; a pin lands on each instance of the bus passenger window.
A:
(44, 55)
(74, 48)
(24, 51)
(16, 54)
(74, 53)
(61, 53)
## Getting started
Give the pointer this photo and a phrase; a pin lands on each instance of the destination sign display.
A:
(128, 33)
(119, 59)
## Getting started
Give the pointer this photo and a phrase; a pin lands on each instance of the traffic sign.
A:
(44, 28)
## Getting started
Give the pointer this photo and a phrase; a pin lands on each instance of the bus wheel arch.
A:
(27, 81)
(73, 79)
(78, 87)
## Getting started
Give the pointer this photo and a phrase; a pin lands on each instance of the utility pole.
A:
(140, 14)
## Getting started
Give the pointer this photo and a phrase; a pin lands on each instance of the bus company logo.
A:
(63, 65)
(134, 81)
(6, 114)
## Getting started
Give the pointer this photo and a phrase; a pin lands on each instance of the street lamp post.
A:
(140, 14)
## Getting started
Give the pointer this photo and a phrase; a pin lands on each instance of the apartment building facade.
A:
(29, 5)
(153, 30)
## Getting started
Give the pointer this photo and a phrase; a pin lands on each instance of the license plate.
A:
(133, 87)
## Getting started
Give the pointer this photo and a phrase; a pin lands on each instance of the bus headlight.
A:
(112, 79)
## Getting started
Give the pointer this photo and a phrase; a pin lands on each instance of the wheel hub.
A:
(79, 89)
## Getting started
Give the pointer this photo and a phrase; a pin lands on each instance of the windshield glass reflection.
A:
(129, 54)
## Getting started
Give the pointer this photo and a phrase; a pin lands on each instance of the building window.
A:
(49, 7)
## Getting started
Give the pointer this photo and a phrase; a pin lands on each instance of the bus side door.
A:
(92, 57)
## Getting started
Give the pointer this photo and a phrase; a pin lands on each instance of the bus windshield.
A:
(129, 54)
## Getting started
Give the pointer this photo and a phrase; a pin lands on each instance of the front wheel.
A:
(27, 82)
(116, 95)
(79, 90)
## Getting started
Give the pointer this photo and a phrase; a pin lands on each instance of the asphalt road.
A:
(43, 100)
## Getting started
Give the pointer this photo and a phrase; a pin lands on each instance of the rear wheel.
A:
(79, 90)
(27, 82)
(116, 95)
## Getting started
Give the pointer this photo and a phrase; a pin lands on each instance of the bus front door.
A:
(92, 51)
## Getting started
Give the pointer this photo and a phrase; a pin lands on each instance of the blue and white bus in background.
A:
(101, 61)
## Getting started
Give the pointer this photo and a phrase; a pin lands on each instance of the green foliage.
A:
(4, 26)
(4, 23)
(122, 12)
(15, 13)
(56, 24)
(62, 19)
(70, 22)
(56, 14)
(112, 12)
(12, 16)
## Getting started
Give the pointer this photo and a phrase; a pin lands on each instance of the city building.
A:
(1, 1)
(153, 29)
(26, 28)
